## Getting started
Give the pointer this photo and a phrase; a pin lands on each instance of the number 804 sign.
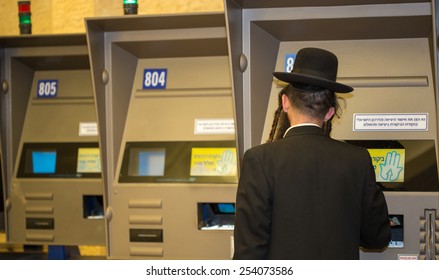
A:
(47, 88)
(154, 78)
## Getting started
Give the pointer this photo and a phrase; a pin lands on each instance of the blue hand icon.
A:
(390, 169)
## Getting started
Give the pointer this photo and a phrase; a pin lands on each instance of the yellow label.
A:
(213, 162)
(89, 160)
(388, 164)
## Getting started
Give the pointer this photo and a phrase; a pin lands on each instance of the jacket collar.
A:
(302, 130)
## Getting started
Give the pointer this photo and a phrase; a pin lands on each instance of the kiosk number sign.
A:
(47, 88)
(154, 78)
(289, 62)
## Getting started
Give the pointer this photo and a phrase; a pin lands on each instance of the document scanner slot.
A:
(40, 223)
(146, 235)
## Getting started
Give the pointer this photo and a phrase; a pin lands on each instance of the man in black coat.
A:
(308, 196)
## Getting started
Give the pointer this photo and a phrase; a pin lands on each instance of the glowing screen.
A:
(89, 160)
(43, 162)
(389, 164)
(226, 208)
(213, 162)
(147, 162)
(152, 163)
(397, 231)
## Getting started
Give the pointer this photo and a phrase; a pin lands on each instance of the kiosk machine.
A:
(50, 144)
(166, 122)
(387, 52)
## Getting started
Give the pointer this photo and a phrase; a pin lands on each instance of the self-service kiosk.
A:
(387, 52)
(54, 192)
(166, 121)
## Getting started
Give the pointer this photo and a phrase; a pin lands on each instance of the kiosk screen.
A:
(226, 208)
(213, 162)
(403, 165)
(216, 216)
(55, 160)
(179, 162)
(147, 162)
(397, 231)
(89, 160)
(43, 162)
(389, 164)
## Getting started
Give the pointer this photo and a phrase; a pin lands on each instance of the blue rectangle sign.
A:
(289, 62)
(47, 88)
(155, 78)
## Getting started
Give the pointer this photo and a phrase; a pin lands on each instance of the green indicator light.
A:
(130, 7)
(24, 19)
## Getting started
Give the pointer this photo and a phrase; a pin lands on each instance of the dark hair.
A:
(280, 121)
(310, 100)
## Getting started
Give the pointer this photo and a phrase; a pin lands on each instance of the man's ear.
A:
(329, 114)
(285, 103)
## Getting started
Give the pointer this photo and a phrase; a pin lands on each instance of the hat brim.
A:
(312, 80)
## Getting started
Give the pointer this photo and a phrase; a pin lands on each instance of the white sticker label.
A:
(214, 126)
(408, 257)
(390, 122)
(88, 129)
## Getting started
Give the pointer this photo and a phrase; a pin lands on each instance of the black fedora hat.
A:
(316, 67)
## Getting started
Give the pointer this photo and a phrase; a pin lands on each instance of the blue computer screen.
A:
(226, 208)
(151, 162)
(43, 162)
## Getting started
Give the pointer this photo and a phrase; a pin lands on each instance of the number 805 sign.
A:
(154, 78)
(47, 88)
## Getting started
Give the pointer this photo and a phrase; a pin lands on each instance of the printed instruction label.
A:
(88, 129)
(214, 126)
(391, 122)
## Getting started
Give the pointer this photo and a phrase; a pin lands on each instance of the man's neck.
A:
(302, 124)
(299, 119)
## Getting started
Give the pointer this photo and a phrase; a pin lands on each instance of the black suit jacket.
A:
(308, 196)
